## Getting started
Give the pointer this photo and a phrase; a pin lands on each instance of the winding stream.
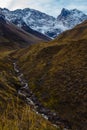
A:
(36, 106)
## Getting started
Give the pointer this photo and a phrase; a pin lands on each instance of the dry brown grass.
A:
(14, 113)
(17, 117)
(56, 73)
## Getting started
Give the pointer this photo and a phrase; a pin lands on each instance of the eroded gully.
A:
(25, 92)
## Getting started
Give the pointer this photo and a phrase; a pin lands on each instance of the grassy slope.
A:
(14, 113)
(78, 33)
(57, 74)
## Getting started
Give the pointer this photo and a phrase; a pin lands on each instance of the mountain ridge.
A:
(44, 23)
(14, 37)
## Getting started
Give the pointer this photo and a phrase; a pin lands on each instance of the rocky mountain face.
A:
(70, 18)
(13, 37)
(44, 23)
(2, 18)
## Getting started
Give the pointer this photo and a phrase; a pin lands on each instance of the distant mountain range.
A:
(44, 23)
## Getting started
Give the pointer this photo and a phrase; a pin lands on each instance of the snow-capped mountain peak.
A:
(2, 18)
(64, 12)
(44, 23)
(70, 18)
(75, 12)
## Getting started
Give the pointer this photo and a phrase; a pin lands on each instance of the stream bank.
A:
(25, 93)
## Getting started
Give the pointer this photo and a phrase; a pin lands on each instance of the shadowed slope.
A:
(14, 37)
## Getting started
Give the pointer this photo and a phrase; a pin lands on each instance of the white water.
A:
(22, 92)
(26, 86)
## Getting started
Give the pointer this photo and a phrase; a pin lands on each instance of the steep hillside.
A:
(15, 114)
(56, 73)
(14, 37)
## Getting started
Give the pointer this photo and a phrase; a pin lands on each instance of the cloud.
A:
(52, 7)
(4, 3)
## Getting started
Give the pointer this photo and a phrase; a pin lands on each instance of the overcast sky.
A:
(52, 7)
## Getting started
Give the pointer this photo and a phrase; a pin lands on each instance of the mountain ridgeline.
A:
(44, 23)
(14, 37)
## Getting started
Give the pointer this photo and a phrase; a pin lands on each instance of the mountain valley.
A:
(56, 73)
(54, 70)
